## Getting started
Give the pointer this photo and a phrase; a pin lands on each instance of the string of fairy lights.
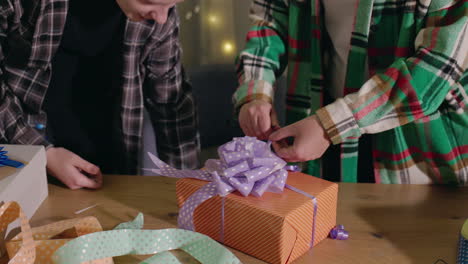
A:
(213, 20)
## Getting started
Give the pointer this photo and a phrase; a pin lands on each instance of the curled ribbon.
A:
(246, 165)
(49, 243)
(339, 233)
(128, 239)
(9, 212)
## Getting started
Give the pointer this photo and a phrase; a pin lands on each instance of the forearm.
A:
(411, 88)
(264, 57)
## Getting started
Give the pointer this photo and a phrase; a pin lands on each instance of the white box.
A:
(28, 185)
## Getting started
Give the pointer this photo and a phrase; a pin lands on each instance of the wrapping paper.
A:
(276, 228)
(265, 213)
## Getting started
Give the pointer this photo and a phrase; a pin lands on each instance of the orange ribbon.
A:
(37, 245)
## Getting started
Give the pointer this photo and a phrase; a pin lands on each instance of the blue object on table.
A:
(5, 161)
(463, 245)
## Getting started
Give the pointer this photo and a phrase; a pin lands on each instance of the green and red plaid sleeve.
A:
(410, 88)
(264, 57)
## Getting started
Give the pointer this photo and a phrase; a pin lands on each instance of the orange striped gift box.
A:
(276, 228)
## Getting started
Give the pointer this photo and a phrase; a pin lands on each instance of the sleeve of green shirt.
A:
(410, 88)
(264, 57)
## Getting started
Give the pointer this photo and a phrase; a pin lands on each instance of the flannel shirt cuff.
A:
(31, 137)
(253, 90)
(338, 121)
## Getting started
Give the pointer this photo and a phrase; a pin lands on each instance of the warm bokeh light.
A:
(213, 19)
(228, 47)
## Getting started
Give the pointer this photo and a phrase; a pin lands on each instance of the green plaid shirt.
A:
(415, 101)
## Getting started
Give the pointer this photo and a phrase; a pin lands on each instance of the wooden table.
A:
(387, 223)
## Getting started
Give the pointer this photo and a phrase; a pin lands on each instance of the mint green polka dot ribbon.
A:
(128, 239)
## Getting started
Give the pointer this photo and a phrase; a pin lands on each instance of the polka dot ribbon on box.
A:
(53, 243)
(246, 165)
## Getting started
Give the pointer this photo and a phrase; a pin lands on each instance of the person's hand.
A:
(257, 118)
(72, 170)
(310, 140)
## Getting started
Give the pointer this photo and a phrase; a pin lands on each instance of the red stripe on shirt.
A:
(294, 77)
(456, 5)
(262, 33)
(402, 82)
(456, 152)
(372, 106)
(316, 33)
(413, 102)
(298, 44)
(425, 51)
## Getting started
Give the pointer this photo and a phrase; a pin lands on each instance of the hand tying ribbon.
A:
(246, 165)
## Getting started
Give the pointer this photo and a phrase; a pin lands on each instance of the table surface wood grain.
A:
(387, 223)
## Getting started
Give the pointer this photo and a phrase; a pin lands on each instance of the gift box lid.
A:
(26, 185)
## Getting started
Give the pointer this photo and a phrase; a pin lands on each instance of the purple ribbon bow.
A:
(246, 165)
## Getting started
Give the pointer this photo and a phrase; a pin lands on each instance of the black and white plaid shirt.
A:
(152, 77)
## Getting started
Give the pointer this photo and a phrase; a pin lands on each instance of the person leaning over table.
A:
(75, 76)
(384, 82)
